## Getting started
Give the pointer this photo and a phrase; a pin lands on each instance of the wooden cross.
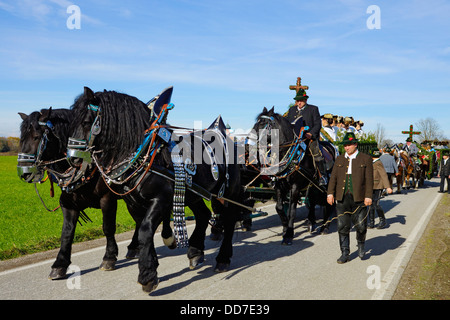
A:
(298, 86)
(411, 132)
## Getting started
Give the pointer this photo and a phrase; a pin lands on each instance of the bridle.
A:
(82, 149)
(34, 171)
(295, 153)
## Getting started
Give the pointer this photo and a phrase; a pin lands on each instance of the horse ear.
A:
(89, 94)
(23, 116)
(45, 114)
(271, 111)
(265, 110)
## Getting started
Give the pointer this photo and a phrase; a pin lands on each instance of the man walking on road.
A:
(380, 182)
(444, 173)
(388, 161)
(351, 186)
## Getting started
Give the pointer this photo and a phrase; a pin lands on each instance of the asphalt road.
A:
(260, 269)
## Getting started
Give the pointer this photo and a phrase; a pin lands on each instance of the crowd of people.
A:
(336, 126)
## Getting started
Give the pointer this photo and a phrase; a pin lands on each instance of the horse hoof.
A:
(312, 228)
(150, 286)
(170, 242)
(196, 261)
(325, 231)
(132, 254)
(108, 265)
(286, 242)
(57, 273)
(222, 267)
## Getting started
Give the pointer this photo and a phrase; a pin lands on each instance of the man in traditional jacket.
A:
(351, 186)
(380, 182)
(411, 148)
(444, 172)
(309, 114)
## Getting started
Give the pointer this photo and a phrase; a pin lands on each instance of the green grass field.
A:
(27, 227)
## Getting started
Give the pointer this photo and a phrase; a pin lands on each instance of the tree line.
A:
(9, 145)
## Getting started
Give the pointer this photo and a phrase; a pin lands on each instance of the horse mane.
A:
(124, 120)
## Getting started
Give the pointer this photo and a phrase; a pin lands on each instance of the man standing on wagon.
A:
(311, 117)
(351, 186)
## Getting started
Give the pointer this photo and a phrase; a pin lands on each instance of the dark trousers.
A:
(376, 197)
(376, 207)
(350, 212)
(390, 178)
(441, 187)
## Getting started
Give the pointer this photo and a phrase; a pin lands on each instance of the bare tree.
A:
(430, 129)
(379, 134)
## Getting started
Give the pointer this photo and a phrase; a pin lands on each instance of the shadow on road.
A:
(379, 245)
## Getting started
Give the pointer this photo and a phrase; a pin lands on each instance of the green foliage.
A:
(27, 227)
(366, 142)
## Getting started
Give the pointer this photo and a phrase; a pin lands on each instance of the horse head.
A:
(40, 141)
(274, 136)
(109, 123)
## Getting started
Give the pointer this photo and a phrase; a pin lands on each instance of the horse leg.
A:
(108, 204)
(196, 249)
(328, 210)
(312, 216)
(133, 247)
(148, 260)
(167, 234)
(279, 207)
(293, 199)
(229, 217)
(398, 179)
(62, 262)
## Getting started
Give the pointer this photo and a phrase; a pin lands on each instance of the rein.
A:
(51, 194)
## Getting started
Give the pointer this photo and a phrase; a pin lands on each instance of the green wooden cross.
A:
(411, 132)
(299, 85)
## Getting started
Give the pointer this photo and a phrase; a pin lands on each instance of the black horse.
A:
(115, 127)
(43, 144)
(294, 171)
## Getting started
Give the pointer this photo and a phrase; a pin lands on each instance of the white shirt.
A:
(330, 132)
(351, 157)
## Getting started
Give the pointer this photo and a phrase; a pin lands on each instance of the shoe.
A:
(382, 224)
(344, 257)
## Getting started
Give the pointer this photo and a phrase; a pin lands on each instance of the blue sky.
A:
(231, 58)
